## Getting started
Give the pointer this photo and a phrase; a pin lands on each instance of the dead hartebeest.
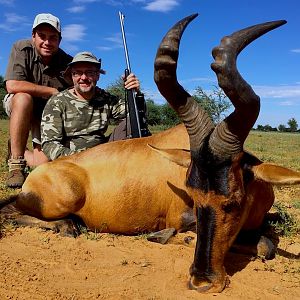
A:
(128, 187)
(230, 188)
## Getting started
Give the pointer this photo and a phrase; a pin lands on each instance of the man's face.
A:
(46, 40)
(85, 77)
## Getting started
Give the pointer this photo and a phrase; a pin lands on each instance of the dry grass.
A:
(282, 149)
(275, 147)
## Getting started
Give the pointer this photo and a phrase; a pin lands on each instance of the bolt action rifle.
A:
(135, 102)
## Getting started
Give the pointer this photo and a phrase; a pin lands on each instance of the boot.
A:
(16, 172)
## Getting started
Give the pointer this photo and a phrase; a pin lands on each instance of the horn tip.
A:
(190, 17)
(279, 22)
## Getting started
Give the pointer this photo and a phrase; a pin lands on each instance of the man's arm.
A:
(19, 75)
(52, 130)
(35, 90)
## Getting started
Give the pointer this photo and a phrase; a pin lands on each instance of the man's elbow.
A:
(11, 86)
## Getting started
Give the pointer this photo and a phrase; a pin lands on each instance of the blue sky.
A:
(271, 64)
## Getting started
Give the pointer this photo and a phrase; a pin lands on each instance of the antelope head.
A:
(216, 178)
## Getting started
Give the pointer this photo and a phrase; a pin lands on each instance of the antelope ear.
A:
(276, 174)
(181, 157)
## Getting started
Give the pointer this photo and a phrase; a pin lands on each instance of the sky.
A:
(271, 64)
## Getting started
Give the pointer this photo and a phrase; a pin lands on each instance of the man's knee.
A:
(22, 101)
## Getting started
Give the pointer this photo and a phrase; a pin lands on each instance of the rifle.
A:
(136, 103)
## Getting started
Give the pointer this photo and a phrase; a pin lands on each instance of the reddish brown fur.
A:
(119, 187)
(122, 187)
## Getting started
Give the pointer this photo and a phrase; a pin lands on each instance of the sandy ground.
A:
(37, 264)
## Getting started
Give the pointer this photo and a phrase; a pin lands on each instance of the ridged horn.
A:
(229, 136)
(196, 120)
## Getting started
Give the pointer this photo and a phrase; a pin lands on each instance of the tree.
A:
(3, 114)
(154, 113)
(2, 84)
(216, 103)
(117, 88)
(266, 128)
(293, 125)
(282, 128)
(169, 116)
(269, 128)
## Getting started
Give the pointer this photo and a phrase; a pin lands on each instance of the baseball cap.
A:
(47, 19)
(83, 57)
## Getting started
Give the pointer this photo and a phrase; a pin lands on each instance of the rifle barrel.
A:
(122, 17)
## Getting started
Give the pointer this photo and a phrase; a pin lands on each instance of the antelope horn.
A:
(196, 120)
(229, 136)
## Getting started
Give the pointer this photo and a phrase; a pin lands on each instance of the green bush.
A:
(3, 114)
(286, 224)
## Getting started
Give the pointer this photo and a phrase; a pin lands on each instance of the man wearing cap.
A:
(33, 75)
(77, 118)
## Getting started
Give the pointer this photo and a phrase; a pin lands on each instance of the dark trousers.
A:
(121, 132)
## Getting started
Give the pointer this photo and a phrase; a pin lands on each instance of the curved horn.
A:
(196, 120)
(229, 136)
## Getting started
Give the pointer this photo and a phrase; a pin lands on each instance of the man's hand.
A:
(131, 82)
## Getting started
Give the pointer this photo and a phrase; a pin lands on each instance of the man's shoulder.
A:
(62, 55)
(23, 44)
(62, 98)
(104, 96)
(64, 94)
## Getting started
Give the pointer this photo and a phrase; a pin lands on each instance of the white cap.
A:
(47, 19)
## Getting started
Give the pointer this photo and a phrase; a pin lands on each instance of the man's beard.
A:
(85, 90)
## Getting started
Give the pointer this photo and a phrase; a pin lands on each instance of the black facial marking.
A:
(208, 172)
(206, 225)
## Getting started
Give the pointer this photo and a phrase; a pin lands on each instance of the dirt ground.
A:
(37, 264)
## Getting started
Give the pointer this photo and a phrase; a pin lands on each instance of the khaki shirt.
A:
(70, 125)
(25, 64)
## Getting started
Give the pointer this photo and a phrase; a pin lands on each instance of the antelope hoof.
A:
(205, 286)
(161, 236)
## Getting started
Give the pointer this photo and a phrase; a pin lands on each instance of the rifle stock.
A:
(133, 112)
